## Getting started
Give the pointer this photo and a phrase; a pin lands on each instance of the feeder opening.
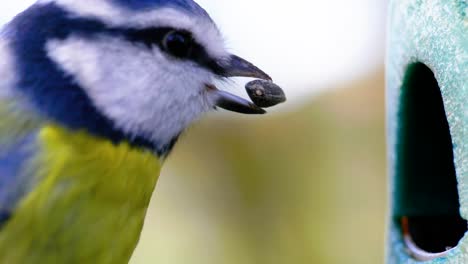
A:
(426, 193)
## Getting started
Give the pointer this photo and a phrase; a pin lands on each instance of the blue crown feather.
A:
(185, 5)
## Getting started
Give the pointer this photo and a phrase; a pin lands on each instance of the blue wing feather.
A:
(14, 179)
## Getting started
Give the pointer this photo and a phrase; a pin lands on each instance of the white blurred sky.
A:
(306, 46)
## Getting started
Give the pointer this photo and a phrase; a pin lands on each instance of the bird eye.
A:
(178, 43)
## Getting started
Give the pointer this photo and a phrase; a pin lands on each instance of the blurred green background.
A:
(301, 185)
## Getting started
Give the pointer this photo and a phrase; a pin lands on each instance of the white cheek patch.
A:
(141, 90)
(203, 29)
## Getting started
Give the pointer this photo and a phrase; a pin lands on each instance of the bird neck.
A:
(88, 205)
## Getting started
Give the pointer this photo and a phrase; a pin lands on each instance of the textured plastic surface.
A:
(434, 33)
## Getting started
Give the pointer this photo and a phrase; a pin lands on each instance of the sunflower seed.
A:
(265, 93)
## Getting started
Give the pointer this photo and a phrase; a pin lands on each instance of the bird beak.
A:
(235, 66)
(238, 67)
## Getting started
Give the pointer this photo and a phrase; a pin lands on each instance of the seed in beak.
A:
(265, 93)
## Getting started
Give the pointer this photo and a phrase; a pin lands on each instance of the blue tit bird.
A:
(93, 96)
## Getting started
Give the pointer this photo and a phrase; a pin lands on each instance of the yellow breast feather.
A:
(88, 205)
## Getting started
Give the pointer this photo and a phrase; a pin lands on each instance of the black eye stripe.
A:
(155, 37)
(177, 43)
(150, 37)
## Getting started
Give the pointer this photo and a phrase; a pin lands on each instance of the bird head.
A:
(139, 71)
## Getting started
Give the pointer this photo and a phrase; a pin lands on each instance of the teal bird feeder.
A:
(427, 103)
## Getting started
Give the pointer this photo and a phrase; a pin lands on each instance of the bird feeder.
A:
(427, 103)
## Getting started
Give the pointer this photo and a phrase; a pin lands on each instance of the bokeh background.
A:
(305, 183)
